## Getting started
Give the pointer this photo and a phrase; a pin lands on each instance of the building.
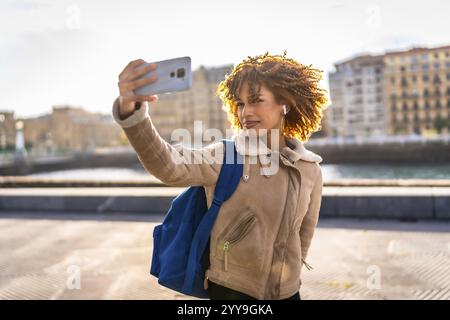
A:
(7, 131)
(70, 128)
(37, 133)
(417, 91)
(356, 89)
(396, 93)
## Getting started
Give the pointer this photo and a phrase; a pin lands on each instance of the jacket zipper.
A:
(236, 235)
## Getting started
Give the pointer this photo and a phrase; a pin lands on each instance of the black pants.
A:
(218, 292)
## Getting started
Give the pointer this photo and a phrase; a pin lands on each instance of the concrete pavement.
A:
(107, 256)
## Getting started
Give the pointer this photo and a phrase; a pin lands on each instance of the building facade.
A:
(356, 89)
(7, 130)
(396, 93)
(70, 128)
(417, 91)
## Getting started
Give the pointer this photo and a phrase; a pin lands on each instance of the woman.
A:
(261, 237)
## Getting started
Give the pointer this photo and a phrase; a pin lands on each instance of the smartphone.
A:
(173, 75)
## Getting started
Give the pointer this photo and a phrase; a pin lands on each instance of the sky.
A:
(71, 52)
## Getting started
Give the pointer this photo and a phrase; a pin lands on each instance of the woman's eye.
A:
(241, 104)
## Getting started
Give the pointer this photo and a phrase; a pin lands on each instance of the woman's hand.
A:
(127, 83)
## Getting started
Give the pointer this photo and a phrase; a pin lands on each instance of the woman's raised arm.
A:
(174, 165)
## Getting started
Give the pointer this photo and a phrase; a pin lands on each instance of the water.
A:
(114, 174)
(330, 172)
(354, 171)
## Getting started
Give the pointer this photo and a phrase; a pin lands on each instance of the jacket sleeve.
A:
(311, 218)
(175, 165)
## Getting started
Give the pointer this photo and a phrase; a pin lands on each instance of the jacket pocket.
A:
(240, 244)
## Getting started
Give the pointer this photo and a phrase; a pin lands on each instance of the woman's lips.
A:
(251, 124)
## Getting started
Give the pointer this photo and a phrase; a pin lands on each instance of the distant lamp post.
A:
(48, 142)
(20, 155)
(20, 141)
(2, 133)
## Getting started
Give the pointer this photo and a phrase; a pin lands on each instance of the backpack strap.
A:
(229, 178)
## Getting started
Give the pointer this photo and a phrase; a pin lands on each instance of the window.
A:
(425, 78)
(405, 106)
(437, 65)
(404, 82)
(436, 79)
(416, 106)
(438, 104)
(425, 67)
(426, 93)
(427, 105)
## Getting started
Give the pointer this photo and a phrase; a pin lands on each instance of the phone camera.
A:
(181, 73)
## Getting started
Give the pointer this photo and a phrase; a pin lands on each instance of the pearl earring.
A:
(285, 111)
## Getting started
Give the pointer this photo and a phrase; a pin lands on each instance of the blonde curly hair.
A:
(291, 83)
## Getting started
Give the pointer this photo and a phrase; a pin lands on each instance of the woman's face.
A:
(263, 114)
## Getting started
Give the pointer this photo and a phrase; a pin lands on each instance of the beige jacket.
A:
(263, 232)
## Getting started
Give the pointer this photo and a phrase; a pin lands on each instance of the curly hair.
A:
(291, 83)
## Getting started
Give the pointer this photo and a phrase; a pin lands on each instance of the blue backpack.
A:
(181, 243)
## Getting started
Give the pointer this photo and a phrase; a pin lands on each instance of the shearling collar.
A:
(246, 144)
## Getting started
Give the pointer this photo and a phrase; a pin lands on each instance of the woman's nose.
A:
(246, 110)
